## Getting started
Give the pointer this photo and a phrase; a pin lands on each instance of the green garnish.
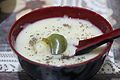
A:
(57, 43)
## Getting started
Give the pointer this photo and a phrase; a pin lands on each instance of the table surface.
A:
(114, 4)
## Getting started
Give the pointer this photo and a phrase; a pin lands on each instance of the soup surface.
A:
(72, 29)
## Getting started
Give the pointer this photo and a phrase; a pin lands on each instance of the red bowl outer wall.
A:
(50, 12)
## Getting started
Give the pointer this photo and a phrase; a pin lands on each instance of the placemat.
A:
(10, 11)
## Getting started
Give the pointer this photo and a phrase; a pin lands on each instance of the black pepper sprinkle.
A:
(45, 27)
(30, 55)
(81, 26)
(38, 34)
(53, 29)
(59, 59)
(83, 57)
(82, 34)
(33, 41)
(68, 32)
(48, 57)
(64, 57)
(35, 52)
(78, 59)
(67, 25)
(31, 35)
(28, 48)
(83, 30)
(57, 30)
(58, 27)
(47, 61)
(86, 26)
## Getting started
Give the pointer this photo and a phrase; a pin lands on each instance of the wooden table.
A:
(114, 4)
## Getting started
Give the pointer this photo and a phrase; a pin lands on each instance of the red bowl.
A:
(84, 70)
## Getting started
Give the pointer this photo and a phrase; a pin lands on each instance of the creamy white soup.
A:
(72, 29)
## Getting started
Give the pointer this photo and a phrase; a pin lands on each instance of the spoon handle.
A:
(89, 44)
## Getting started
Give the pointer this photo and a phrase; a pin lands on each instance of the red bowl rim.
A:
(103, 53)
